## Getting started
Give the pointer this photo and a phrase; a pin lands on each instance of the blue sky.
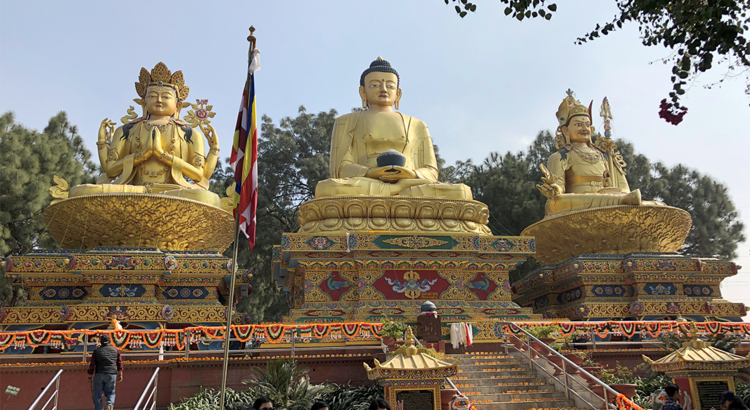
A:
(483, 83)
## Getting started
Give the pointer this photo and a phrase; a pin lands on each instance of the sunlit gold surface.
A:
(360, 137)
(392, 213)
(610, 230)
(584, 174)
(139, 220)
(411, 358)
(157, 148)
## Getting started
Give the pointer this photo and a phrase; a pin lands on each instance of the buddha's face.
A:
(579, 129)
(161, 101)
(380, 89)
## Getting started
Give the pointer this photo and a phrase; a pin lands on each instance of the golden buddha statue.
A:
(582, 174)
(156, 152)
(381, 152)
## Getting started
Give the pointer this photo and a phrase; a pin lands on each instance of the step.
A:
(546, 404)
(509, 397)
(502, 385)
(488, 373)
(491, 365)
(481, 377)
(558, 405)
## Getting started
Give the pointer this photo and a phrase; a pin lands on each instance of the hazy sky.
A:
(483, 83)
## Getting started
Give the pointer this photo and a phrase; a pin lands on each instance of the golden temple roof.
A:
(696, 354)
(410, 361)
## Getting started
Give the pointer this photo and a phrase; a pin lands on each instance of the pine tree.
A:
(28, 161)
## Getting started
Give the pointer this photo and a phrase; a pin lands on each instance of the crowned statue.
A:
(583, 174)
(157, 152)
(378, 151)
(590, 208)
(153, 190)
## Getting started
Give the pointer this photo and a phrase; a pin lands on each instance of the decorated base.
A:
(343, 214)
(368, 276)
(139, 220)
(639, 286)
(143, 285)
(614, 229)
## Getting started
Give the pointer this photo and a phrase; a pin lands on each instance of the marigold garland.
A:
(277, 333)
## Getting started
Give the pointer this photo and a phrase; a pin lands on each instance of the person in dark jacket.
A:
(105, 366)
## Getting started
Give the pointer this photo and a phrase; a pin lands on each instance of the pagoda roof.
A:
(696, 354)
(411, 362)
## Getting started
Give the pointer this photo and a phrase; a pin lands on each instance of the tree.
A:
(292, 158)
(506, 184)
(28, 161)
(716, 228)
(699, 32)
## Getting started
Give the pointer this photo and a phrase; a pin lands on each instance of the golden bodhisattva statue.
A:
(590, 208)
(158, 152)
(581, 174)
(153, 190)
(378, 151)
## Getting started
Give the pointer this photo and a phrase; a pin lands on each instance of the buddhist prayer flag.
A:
(244, 158)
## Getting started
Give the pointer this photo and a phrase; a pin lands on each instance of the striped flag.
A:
(244, 158)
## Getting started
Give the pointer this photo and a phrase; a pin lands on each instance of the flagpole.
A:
(230, 303)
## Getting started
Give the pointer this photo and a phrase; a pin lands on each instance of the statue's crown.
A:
(569, 108)
(160, 75)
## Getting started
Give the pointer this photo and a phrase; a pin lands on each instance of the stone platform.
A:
(638, 286)
(144, 287)
(365, 276)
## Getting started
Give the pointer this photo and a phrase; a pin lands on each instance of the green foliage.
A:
(28, 161)
(700, 32)
(716, 226)
(541, 332)
(742, 390)
(292, 158)
(393, 328)
(673, 340)
(287, 384)
(210, 399)
(352, 397)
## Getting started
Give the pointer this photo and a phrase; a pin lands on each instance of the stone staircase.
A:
(498, 381)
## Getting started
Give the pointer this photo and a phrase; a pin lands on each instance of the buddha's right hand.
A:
(548, 187)
(106, 130)
(378, 172)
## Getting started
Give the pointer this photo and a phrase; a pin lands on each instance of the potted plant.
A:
(576, 358)
(393, 330)
(544, 334)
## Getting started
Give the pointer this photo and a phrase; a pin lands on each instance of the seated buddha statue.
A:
(158, 152)
(362, 140)
(581, 174)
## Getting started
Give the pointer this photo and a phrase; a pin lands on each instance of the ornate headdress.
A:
(161, 75)
(379, 66)
(569, 108)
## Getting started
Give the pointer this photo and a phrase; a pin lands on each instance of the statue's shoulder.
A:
(560, 155)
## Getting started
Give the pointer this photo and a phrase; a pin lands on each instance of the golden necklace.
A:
(592, 157)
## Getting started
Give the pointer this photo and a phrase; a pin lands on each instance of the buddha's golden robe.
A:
(357, 141)
(153, 175)
(584, 181)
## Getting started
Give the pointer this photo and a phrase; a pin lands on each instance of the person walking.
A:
(105, 366)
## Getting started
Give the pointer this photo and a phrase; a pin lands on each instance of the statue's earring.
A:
(397, 104)
(364, 104)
